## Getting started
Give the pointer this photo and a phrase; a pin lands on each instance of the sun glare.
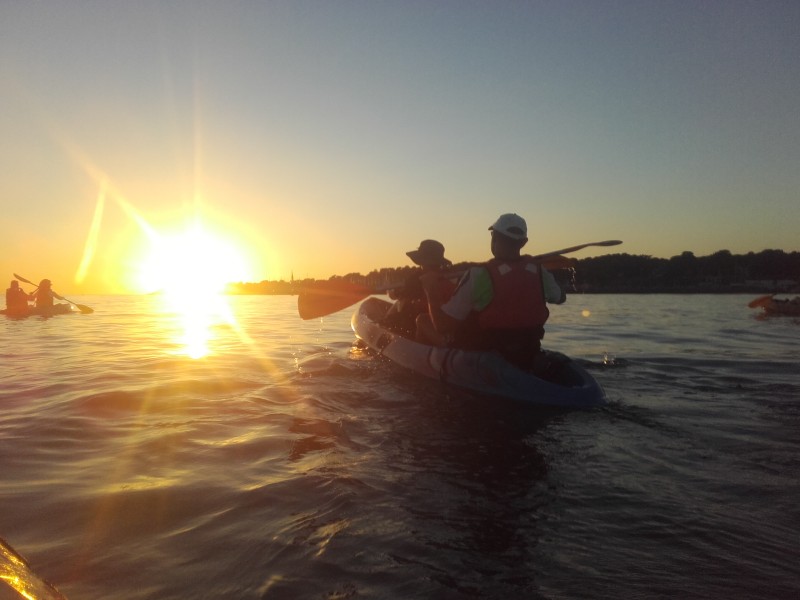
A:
(191, 263)
(190, 269)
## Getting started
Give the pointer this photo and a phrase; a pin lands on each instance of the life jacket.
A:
(517, 296)
(513, 321)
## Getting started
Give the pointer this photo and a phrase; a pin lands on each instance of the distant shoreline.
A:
(687, 291)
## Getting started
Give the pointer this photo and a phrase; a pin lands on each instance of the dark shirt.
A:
(16, 299)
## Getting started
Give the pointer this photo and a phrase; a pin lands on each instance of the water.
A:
(287, 463)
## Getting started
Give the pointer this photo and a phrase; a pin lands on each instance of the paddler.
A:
(410, 299)
(16, 298)
(499, 305)
(43, 295)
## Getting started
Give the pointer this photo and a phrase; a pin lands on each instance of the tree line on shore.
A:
(763, 272)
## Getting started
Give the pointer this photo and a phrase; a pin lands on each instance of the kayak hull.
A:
(783, 307)
(482, 372)
(35, 311)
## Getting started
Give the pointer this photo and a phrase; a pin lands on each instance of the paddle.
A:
(762, 301)
(81, 307)
(578, 247)
(328, 298)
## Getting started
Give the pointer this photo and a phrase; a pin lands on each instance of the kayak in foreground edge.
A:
(48, 311)
(482, 372)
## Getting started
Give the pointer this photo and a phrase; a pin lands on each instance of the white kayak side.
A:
(482, 372)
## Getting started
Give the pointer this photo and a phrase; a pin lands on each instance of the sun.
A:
(190, 268)
(192, 263)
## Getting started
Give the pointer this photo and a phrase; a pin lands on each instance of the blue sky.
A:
(330, 137)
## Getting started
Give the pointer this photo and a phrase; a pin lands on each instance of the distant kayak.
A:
(34, 311)
(775, 307)
(483, 372)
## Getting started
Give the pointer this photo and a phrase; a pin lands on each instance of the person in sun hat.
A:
(500, 305)
(429, 254)
(410, 299)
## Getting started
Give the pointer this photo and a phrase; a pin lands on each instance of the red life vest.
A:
(518, 296)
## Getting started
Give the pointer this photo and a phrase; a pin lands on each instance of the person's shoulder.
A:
(473, 273)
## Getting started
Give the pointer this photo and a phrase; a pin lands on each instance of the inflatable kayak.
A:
(33, 311)
(483, 372)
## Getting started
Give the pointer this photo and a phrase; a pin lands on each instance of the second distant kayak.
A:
(775, 306)
(782, 307)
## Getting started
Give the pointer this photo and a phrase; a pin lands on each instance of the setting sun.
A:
(191, 265)
(191, 268)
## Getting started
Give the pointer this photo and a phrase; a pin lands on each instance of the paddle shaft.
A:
(578, 247)
(557, 253)
(315, 303)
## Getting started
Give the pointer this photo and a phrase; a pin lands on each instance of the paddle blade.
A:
(86, 310)
(762, 301)
(323, 300)
(23, 280)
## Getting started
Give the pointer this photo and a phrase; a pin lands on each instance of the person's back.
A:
(16, 298)
(43, 296)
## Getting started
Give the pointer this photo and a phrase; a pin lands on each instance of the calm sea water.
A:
(287, 463)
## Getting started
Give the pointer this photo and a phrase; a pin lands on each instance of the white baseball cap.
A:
(511, 225)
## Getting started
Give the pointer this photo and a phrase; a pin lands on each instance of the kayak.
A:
(48, 311)
(773, 306)
(482, 372)
(783, 307)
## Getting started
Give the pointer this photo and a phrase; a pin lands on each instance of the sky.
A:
(279, 139)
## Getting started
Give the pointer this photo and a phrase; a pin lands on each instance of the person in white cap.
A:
(410, 299)
(500, 305)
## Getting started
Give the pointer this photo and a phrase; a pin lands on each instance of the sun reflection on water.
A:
(196, 319)
(191, 268)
